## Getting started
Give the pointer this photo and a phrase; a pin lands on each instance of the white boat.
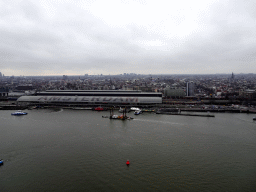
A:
(121, 110)
(135, 109)
(19, 113)
(114, 117)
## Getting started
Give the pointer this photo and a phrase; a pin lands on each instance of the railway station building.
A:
(92, 98)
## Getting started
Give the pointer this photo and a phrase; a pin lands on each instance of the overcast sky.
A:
(77, 37)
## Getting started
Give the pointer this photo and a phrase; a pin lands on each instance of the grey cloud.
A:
(75, 40)
(30, 10)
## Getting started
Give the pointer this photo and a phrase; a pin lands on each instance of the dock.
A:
(198, 115)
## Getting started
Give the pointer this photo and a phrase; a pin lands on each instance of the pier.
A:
(198, 115)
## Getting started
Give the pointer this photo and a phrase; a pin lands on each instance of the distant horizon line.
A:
(121, 74)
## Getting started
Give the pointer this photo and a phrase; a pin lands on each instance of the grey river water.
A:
(76, 150)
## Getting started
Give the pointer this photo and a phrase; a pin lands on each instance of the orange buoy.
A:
(127, 162)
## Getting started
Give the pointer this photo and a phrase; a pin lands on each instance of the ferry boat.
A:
(19, 113)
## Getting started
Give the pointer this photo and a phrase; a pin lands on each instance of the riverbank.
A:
(10, 105)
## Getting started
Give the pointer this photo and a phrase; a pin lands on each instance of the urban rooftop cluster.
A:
(226, 86)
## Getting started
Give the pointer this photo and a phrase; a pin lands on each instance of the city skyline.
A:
(46, 38)
(230, 75)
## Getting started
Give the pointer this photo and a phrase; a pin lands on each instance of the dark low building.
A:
(4, 92)
(24, 88)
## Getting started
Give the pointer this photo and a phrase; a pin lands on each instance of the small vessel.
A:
(127, 162)
(121, 110)
(254, 118)
(135, 109)
(98, 109)
(137, 112)
(1, 162)
(114, 117)
(19, 113)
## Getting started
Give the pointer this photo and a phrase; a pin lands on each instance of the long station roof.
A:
(89, 99)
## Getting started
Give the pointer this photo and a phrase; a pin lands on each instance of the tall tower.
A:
(232, 78)
(190, 88)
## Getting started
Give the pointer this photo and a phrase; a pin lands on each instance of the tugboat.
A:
(18, 113)
(120, 117)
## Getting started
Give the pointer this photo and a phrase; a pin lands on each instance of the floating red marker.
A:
(127, 162)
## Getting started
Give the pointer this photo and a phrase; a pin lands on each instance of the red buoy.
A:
(127, 162)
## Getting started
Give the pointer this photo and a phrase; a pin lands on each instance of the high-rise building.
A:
(232, 76)
(190, 88)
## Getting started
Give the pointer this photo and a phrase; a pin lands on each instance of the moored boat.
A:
(135, 109)
(148, 110)
(82, 108)
(98, 109)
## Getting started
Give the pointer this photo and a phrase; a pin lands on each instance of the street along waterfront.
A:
(77, 150)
